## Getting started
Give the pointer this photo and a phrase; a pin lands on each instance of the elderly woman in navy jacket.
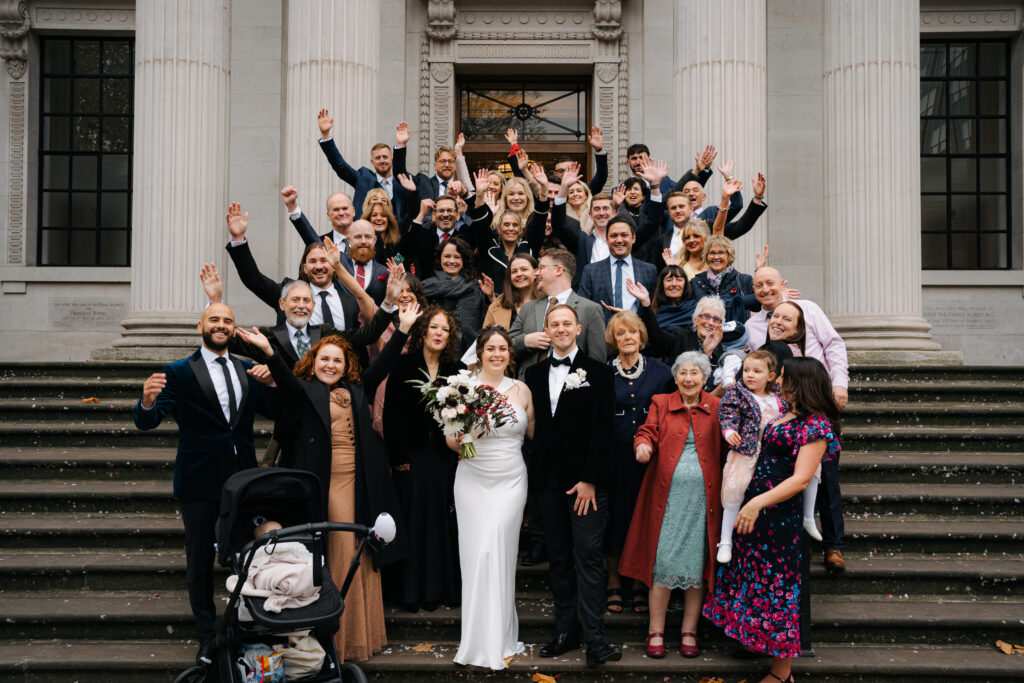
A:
(722, 279)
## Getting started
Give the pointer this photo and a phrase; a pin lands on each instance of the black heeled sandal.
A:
(783, 680)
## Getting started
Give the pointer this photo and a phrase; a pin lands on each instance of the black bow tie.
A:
(561, 361)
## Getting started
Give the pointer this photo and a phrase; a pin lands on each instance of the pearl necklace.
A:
(635, 372)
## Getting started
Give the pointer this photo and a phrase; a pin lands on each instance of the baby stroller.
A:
(292, 498)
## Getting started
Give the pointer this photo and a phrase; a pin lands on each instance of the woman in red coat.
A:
(679, 511)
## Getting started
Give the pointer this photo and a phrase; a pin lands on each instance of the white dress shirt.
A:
(219, 385)
(628, 300)
(442, 185)
(600, 249)
(333, 300)
(387, 184)
(557, 375)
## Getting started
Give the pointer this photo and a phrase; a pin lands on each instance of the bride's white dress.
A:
(490, 494)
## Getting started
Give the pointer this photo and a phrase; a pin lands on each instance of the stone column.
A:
(179, 194)
(721, 98)
(333, 63)
(872, 182)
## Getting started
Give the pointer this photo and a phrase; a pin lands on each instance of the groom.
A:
(574, 401)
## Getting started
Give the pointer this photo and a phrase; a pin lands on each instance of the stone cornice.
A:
(970, 21)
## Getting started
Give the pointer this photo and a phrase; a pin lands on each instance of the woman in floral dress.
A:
(756, 599)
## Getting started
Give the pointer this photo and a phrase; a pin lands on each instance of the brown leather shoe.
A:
(834, 561)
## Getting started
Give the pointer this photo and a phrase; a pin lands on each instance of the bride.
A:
(490, 494)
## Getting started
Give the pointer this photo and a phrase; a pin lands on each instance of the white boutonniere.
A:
(575, 380)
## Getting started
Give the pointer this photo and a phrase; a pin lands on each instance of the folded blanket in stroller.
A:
(284, 577)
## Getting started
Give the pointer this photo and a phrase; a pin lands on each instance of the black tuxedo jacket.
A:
(574, 444)
(210, 449)
(269, 292)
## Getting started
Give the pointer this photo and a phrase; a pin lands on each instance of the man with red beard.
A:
(371, 275)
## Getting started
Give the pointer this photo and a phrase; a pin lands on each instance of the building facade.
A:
(889, 132)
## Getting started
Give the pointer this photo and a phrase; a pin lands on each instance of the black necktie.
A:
(232, 408)
(326, 309)
(561, 361)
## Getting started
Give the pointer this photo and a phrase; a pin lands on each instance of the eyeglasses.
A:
(710, 318)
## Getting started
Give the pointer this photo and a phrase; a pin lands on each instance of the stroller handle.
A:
(360, 530)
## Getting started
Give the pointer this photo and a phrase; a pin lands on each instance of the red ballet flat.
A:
(688, 650)
(656, 651)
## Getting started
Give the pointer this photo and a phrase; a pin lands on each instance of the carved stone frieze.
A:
(441, 19)
(442, 71)
(1007, 19)
(608, 19)
(120, 17)
(14, 27)
(606, 71)
(524, 51)
(524, 20)
(16, 186)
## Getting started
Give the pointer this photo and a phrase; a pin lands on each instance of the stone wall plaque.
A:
(67, 313)
(962, 317)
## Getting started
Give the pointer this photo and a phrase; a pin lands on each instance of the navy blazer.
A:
(732, 289)
(596, 283)
(365, 179)
(209, 448)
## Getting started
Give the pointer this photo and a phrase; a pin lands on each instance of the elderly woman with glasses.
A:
(722, 279)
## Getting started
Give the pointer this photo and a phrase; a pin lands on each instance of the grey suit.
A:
(531, 319)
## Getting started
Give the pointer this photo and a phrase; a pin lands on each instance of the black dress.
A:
(431, 574)
(632, 399)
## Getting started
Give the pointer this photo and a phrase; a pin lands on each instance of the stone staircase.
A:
(92, 569)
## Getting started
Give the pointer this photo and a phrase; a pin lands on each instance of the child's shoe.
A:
(724, 553)
(811, 528)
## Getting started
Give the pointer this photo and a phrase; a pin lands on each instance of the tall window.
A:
(85, 152)
(965, 154)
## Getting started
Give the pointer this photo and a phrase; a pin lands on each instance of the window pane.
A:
(83, 173)
(83, 247)
(114, 248)
(933, 98)
(117, 57)
(55, 172)
(993, 136)
(964, 175)
(961, 59)
(965, 250)
(57, 56)
(86, 133)
(53, 247)
(933, 250)
(116, 96)
(993, 250)
(55, 209)
(83, 210)
(536, 111)
(114, 211)
(933, 136)
(933, 60)
(964, 212)
(993, 59)
(961, 98)
(933, 213)
(115, 171)
(87, 96)
(993, 212)
(993, 175)
(117, 134)
(87, 57)
(933, 174)
(993, 97)
(57, 95)
(56, 133)
(962, 138)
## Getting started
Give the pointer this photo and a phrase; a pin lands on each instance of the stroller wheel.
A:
(197, 674)
(350, 673)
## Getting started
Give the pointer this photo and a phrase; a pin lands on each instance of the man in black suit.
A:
(419, 242)
(574, 404)
(214, 401)
(340, 212)
(332, 303)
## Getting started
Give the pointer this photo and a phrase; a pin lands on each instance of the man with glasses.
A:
(418, 244)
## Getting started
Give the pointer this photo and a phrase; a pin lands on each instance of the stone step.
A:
(887, 437)
(100, 433)
(932, 468)
(925, 620)
(85, 463)
(78, 370)
(135, 661)
(878, 499)
(939, 390)
(121, 531)
(99, 386)
(918, 373)
(946, 414)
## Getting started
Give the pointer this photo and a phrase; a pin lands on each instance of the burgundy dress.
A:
(757, 595)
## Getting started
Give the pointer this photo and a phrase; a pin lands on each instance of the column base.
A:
(154, 336)
(883, 340)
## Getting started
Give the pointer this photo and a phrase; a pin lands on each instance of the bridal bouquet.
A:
(462, 404)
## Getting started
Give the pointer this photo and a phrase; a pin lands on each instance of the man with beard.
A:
(213, 398)
(419, 242)
(340, 212)
(371, 275)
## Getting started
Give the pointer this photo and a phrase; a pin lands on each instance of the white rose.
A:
(461, 408)
(448, 413)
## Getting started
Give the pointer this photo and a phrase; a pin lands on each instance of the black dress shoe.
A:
(205, 655)
(536, 555)
(600, 652)
(562, 643)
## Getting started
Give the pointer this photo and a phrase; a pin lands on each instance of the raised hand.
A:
(326, 122)
(455, 189)
(569, 178)
(481, 181)
(790, 294)
(256, 338)
(639, 292)
(426, 206)
(537, 171)
(671, 259)
(512, 136)
(731, 187)
(522, 160)
(290, 197)
(402, 134)
(486, 285)
(726, 168)
(654, 172)
(212, 284)
(407, 315)
(333, 254)
(704, 159)
(761, 260)
(261, 373)
(238, 222)
(490, 198)
(406, 181)
(619, 195)
(460, 141)
(758, 183)
(643, 453)
(596, 138)
(152, 387)
(396, 280)
(713, 339)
